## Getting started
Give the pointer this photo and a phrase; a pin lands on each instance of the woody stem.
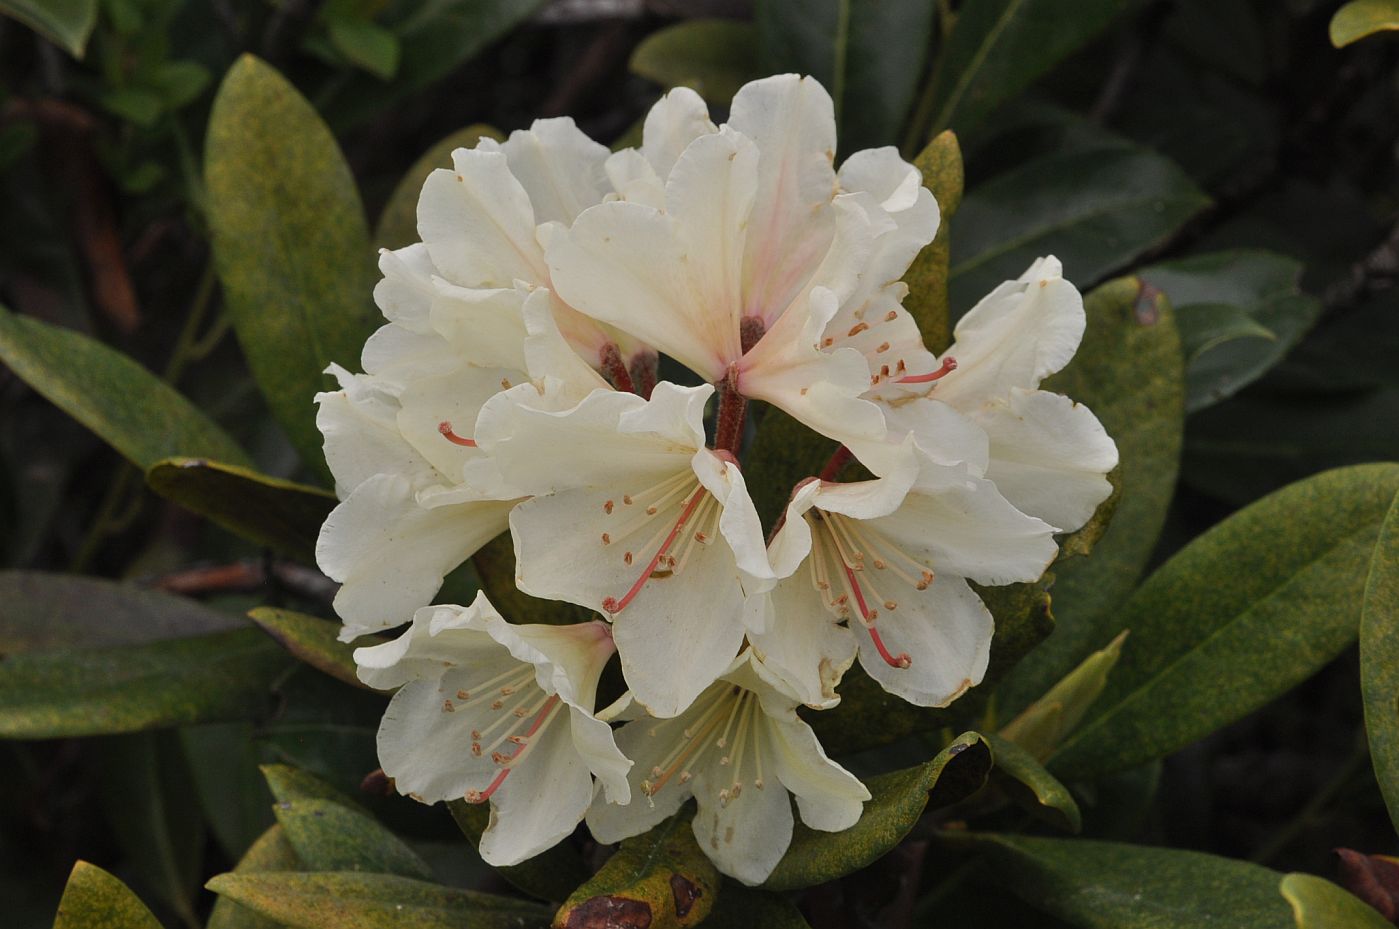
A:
(838, 460)
(728, 425)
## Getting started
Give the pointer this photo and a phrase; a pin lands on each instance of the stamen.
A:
(548, 710)
(901, 660)
(949, 364)
(445, 427)
(613, 605)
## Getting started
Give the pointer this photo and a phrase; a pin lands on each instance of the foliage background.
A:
(1223, 150)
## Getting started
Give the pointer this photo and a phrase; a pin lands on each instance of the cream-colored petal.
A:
(405, 293)
(747, 836)
(676, 120)
(801, 640)
(829, 797)
(559, 167)
(541, 802)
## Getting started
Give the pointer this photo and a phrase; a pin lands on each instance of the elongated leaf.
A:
(1239, 312)
(1361, 18)
(999, 47)
(714, 57)
(1020, 775)
(742, 907)
(66, 23)
(223, 771)
(321, 900)
(1320, 904)
(398, 223)
(271, 852)
(130, 408)
(941, 165)
(660, 879)
(290, 785)
(290, 243)
(1128, 371)
(76, 692)
(897, 800)
(1379, 660)
(46, 611)
(1044, 724)
(313, 640)
(868, 54)
(1106, 885)
(283, 515)
(1096, 208)
(1243, 613)
(94, 899)
(553, 874)
(328, 836)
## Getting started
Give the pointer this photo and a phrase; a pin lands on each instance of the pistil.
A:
(949, 364)
(445, 427)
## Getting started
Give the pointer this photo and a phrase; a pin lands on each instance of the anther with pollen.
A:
(949, 364)
(445, 427)
(542, 715)
(663, 556)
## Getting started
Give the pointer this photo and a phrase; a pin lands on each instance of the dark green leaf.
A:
(289, 784)
(271, 852)
(742, 907)
(941, 165)
(1239, 312)
(1128, 371)
(180, 82)
(290, 243)
(94, 899)
(373, 901)
(1096, 208)
(77, 692)
(47, 611)
(897, 800)
(1026, 782)
(1320, 904)
(1379, 660)
(365, 44)
(715, 57)
(1106, 885)
(553, 874)
(313, 640)
(868, 54)
(65, 23)
(999, 47)
(281, 515)
(1240, 615)
(131, 409)
(1361, 18)
(329, 836)
(398, 223)
(660, 879)
(223, 765)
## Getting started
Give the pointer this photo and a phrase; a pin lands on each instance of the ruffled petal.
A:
(362, 438)
(646, 742)
(829, 797)
(559, 167)
(541, 802)
(596, 744)
(801, 640)
(455, 399)
(738, 523)
(483, 326)
(405, 293)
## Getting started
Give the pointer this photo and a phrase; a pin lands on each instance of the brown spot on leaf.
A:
(686, 892)
(609, 913)
(1145, 309)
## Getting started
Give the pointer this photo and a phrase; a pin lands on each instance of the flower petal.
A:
(746, 837)
(829, 797)
(559, 167)
(646, 742)
(801, 640)
(596, 744)
(672, 123)
(541, 802)
(405, 294)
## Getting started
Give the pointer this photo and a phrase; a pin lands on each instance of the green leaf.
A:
(714, 57)
(1021, 777)
(1107, 885)
(94, 899)
(365, 44)
(897, 800)
(660, 879)
(1239, 313)
(290, 243)
(1320, 904)
(49, 611)
(180, 82)
(93, 691)
(313, 640)
(867, 53)
(282, 515)
(223, 770)
(271, 852)
(290, 784)
(329, 836)
(999, 47)
(1128, 371)
(1096, 208)
(1379, 660)
(373, 901)
(1361, 18)
(553, 874)
(1243, 613)
(1044, 724)
(398, 223)
(941, 165)
(131, 409)
(66, 23)
(133, 104)
(742, 907)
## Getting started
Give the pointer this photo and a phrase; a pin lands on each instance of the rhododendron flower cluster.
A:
(516, 389)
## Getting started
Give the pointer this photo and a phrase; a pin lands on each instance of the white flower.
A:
(490, 711)
(732, 251)
(890, 558)
(739, 751)
(634, 517)
(980, 402)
